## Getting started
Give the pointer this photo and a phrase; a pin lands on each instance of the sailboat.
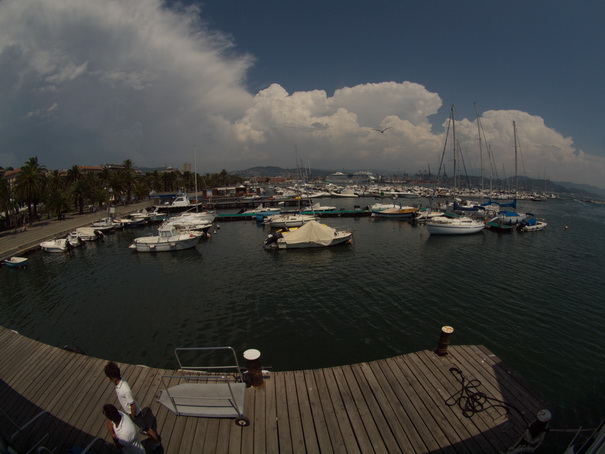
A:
(454, 225)
(506, 218)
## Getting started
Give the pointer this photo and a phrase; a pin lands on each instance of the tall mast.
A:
(195, 176)
(515, 139)
(480, 148)
(454, 138)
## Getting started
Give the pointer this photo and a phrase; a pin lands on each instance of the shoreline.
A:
(25, 241)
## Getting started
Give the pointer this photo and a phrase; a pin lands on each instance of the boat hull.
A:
(156, 244)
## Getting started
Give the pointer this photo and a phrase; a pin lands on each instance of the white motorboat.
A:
(318, 207)
(531, 225)
(279, 221)
(57, 245)
(311, 235)
(168, 239)
(463, 225)
(85, 234)
(192, 221)
(180, 204)
(106, 224)
(426, 214)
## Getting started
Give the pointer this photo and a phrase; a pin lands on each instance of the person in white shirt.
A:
(130, 406)
(122, 430)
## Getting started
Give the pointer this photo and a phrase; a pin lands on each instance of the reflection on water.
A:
(535, 299)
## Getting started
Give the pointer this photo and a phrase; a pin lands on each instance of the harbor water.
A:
(535, 299)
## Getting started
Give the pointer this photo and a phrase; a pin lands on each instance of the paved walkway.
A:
(20, 242)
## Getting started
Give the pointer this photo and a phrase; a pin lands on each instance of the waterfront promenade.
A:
(17, 242)
(404, 404)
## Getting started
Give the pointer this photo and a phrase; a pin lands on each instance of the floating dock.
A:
(404, 404)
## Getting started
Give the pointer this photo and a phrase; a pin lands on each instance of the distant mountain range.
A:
(582, 190)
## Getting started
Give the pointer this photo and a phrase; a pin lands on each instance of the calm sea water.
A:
(535, 299)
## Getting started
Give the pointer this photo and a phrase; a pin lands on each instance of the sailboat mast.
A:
(454, 138)
(515, 139)
(480, 148)
(195, 177)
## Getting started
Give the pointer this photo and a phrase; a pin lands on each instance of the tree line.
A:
(55, 193)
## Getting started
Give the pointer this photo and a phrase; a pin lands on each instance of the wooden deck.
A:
(395, 405)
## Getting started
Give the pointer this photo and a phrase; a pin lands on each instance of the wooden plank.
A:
(439, 409)
(257, 399)
(283, 423)
(271, 436)
(424, 403)
(394, 414)
(419, 414)
(467, 431)
(486, 421)
(328, 409)
(304, 405)
(365, 403)
(329, 392)
(294, 416)
(354, 413)
(316, 414)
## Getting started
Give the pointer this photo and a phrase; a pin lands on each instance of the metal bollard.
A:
(444, 340)
(255, 370)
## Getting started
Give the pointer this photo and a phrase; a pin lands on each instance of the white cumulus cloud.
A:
(93, 82)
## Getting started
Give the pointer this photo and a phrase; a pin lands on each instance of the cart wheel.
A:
(242, 421)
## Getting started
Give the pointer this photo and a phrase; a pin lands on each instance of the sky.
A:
(233, 84)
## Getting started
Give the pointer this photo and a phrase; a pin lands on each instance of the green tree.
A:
(6, 202)
(29, 186)
(128, 176)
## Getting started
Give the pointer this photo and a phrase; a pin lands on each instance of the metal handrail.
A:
(235, 366)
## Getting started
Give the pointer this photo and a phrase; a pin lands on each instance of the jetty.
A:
(412, 403)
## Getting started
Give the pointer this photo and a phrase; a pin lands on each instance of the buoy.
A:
(565, 227)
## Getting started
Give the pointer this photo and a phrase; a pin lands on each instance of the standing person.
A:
(130, 406)
(122, 430)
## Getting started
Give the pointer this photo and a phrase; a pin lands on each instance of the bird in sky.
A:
(381, 130)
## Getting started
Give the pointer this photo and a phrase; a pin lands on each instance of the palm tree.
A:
(6, 202)
(29, 186)
(129, 176)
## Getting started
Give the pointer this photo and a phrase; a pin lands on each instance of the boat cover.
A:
(311, 232)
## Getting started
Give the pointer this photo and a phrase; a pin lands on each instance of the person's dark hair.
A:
(112, 413)
(112, 370)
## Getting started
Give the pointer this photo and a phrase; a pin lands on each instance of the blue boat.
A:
(16, 262)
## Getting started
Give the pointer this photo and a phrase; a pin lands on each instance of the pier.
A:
(404, 404)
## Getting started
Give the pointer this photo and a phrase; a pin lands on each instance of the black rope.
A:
(472, 401)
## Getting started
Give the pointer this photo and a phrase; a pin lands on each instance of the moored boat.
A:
(311, 235)
(454, 225)
(16, 262)
(279, 221)
(168, 239)
(397, 212)
(531, 225)
(56, 246)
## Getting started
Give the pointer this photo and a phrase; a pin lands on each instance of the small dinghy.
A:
(16, 262)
